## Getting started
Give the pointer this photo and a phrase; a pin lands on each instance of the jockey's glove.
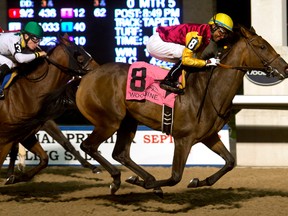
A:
(212, 62)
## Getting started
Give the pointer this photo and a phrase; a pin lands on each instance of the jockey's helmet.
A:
(222, 20)
(34, 29)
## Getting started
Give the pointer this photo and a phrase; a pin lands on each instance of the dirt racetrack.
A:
(77, 191)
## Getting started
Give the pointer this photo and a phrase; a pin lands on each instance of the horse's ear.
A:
(246, 33)
(252, 29)
(64, 39)
(66, 36)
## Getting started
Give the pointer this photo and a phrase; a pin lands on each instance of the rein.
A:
(245, 68)
(68, 70)
(38, 79)
(267, 67)
(79, 64)
(82, 69)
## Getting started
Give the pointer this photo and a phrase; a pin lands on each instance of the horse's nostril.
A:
(286, 71)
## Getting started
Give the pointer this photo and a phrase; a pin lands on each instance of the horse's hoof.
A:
(132, 179)
(158, 192)
(10, 180)
(21, 167)
(113, 188)
(96, 170)
(194, 183)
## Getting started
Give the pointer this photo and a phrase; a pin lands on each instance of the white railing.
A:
(260, 102)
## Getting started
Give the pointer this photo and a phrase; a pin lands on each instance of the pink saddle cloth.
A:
(142, 84)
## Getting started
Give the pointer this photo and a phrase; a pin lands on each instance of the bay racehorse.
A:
(101, 99)
(199, 114)
(65, 61)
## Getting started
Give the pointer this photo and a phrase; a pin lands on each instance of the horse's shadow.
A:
(189, 199)
(181, 202)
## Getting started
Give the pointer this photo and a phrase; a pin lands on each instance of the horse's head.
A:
(80, 61)
(261, 55)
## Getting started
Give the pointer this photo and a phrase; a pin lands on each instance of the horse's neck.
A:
(42, 80)
(231, 77)
(222, 84)
(234, 57)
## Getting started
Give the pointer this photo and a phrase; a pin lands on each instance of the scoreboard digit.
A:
(111, 30)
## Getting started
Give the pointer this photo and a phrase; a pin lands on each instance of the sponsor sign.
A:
(148, 148)
(260, 78)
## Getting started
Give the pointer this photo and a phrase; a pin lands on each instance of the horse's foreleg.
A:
(33, 145)
(16, 150)
(53, 130)
(215, 144)
(90, 146)
(181, 153)
(121, 153)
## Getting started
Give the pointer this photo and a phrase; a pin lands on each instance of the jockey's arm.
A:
(193, 42)
(26, 58)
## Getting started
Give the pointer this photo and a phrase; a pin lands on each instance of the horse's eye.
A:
(262, 46)
(80, 59)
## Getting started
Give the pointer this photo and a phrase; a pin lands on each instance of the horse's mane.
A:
(26, 68)
(224, 46)
(237, 34)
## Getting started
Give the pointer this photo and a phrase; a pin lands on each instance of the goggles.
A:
(35, 39)
(223, 32)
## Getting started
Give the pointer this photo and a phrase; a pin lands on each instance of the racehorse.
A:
(51, 128)
(65, 61)
(101, 99)
(199, 114)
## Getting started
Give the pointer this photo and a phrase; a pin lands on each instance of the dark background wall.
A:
(3, 14)
(239, 10)
(200, 11)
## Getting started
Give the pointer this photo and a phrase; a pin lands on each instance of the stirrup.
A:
(168, 86)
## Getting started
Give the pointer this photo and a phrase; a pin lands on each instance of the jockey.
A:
(187, 42)
(19, 47)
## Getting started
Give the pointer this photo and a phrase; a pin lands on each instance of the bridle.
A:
(81, 66)
(266, 68)
(266, 64)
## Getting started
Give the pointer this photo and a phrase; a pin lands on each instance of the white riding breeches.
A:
(164, 51)
(5, 60)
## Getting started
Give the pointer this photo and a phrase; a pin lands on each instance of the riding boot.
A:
(4, 70)
(170, 82)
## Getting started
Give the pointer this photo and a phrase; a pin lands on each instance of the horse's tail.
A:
(52, 105)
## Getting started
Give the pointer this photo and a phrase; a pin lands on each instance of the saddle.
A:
(7, 81)
(143, 84)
